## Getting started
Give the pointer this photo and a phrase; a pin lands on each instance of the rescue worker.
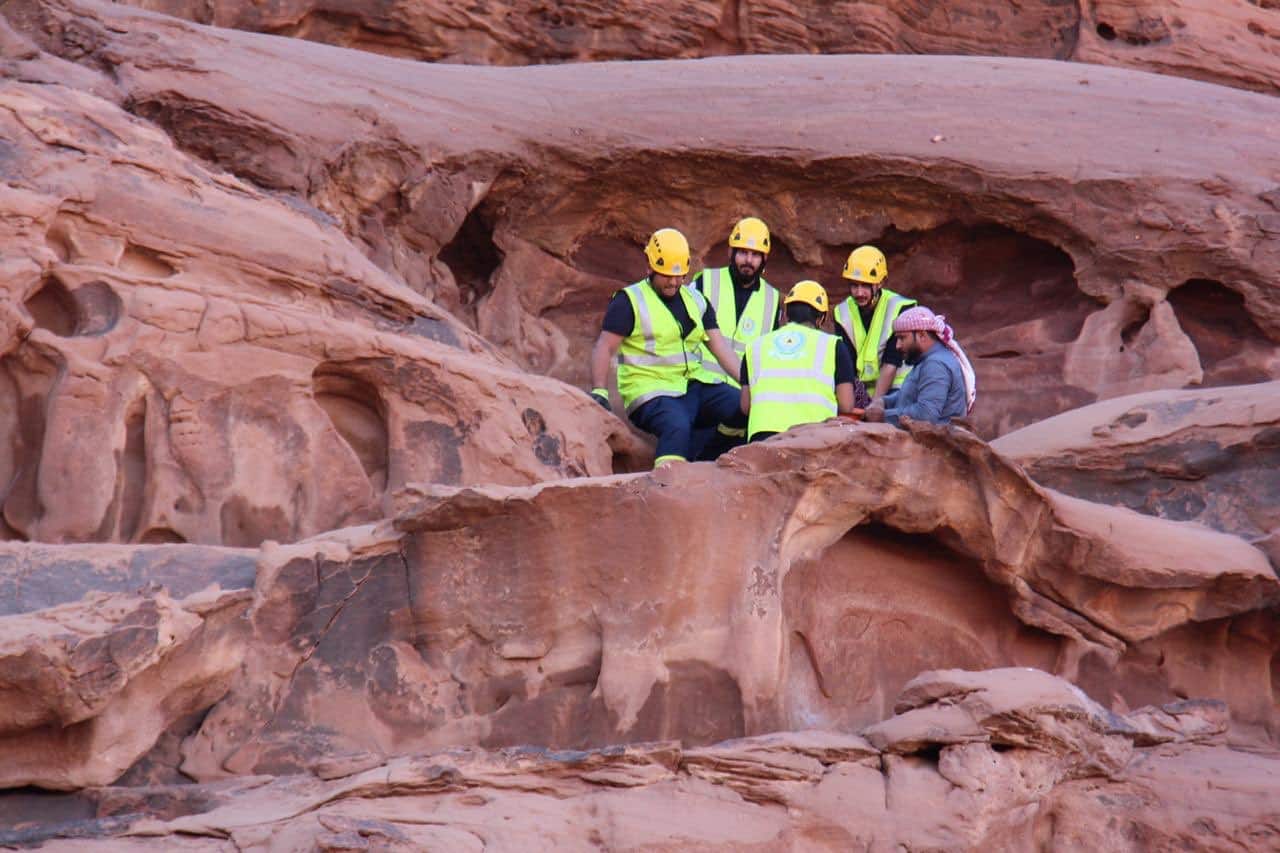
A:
(657, 327)
(865, 321)
(798, 374)
(746, 308)
(941, 384)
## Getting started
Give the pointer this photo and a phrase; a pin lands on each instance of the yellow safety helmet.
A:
(668, 252)
(866, 264)
(750, 233)
(810, 293)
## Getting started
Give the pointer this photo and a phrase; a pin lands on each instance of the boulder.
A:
(103, 649)
(1210, 455)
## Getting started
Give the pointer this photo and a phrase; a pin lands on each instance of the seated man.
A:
(798, 374)
(941, 383)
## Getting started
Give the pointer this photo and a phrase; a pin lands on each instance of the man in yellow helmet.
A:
(746, 307)
(865, 321)
(657, 327)
(798, 374)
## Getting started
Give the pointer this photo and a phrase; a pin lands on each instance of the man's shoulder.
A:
(941, 359)
(893, 296)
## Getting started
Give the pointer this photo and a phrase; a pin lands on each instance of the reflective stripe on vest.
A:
(869, 344)
(656, 359)
(757, 319)
(792, 375)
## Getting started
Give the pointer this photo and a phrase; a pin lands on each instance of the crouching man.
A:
(941, 384)
(798, 374)
(657, 327)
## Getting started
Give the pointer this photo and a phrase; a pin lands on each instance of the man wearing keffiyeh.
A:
(941, 385)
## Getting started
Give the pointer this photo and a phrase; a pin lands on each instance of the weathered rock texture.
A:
(1228, 43)
(1071, 221)
(102, 649)
(821, 589)
(186, 357)
(1211, 456)
(255, 293)
(1023, 762)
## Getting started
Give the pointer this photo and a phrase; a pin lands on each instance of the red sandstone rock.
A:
(1060, 760)
(1227, 43)
(846, 560)
(1071, 222)
(1209, 455)
(102, 649)
(189, 358)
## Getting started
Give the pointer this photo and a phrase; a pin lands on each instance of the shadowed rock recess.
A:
(308, 541)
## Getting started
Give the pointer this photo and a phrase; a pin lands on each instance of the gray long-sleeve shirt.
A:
(933, 391)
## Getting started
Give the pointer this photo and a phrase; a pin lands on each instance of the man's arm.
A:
(885, 381)
(844, 397)
(931, 395)
(722, 351)
(601, 354)
(744, 380)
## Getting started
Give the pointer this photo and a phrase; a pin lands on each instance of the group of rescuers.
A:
(705, 367)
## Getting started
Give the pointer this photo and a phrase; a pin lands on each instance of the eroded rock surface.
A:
(1069, 220)
(1227, 43)
(1039, 772)
(1210, 455)
(823, 588)
(102, 649)
(187, 358)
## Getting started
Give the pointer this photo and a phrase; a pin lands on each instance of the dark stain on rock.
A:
(440, 443)
(432, 329)
(39, 579)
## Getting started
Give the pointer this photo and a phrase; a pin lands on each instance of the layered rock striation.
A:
(1230, 44)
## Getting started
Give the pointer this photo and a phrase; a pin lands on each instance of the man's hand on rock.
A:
(874, 413)
(601, 396)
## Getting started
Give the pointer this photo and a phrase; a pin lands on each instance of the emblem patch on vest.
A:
(787, 345)
(747, 325)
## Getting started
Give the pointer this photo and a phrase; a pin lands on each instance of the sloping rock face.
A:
(1070, 221)
(1211, 456)
(187, 358)
(809, 596)
(102, 649)
(1226, 43)
(1032, 763)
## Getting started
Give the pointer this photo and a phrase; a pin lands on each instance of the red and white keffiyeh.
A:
(921, 319)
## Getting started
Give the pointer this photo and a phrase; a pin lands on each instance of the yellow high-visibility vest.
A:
(759, 316)
(869, 344)
(792, 379)
(657, 359)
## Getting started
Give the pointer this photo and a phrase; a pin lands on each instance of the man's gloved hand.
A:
(601, 396)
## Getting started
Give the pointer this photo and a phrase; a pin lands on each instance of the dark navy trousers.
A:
(683, 424)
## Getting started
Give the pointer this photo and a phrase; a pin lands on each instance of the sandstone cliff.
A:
(311, 542)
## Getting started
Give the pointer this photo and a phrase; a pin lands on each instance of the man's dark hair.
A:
(800, 312)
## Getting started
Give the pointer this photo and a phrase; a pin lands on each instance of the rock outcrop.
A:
(103, 649)
(1210, 455)
(1070, 221)
(1227, 43)
(188, 358)
(814, 590)
(1023, 761)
